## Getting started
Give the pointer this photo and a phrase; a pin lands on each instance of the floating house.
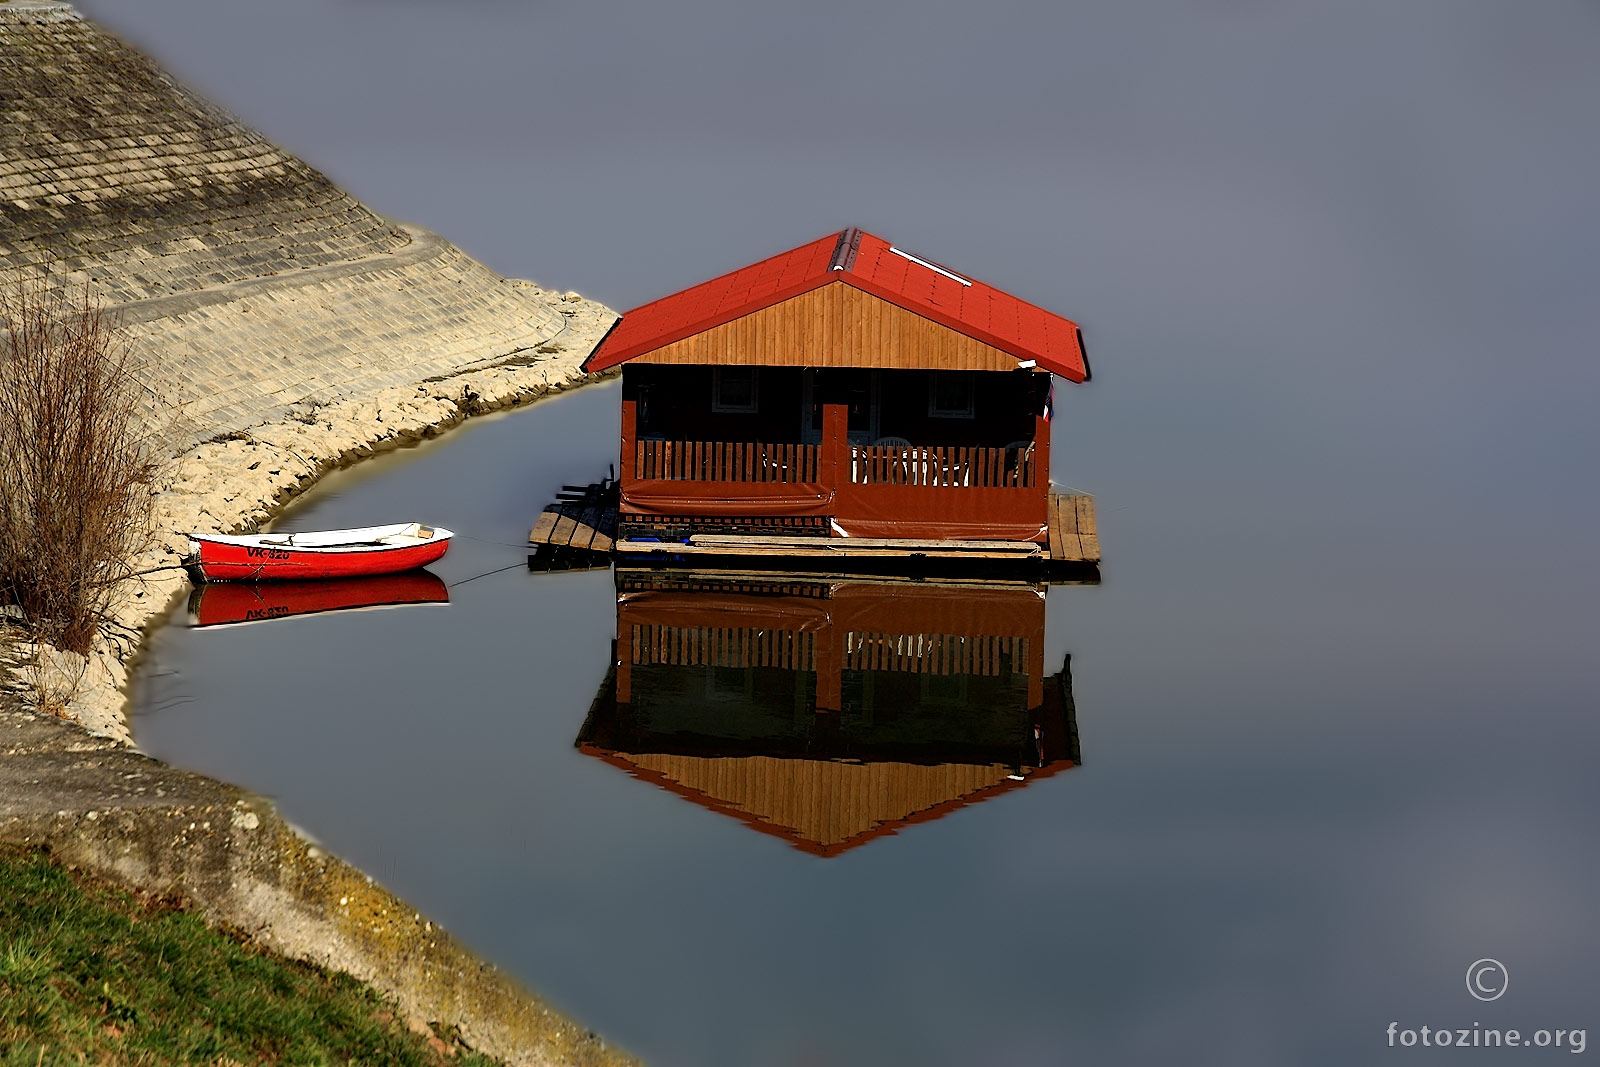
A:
(831, 713)
(844, 395)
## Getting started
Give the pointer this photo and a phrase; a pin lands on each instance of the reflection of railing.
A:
(768, 646)
(723, 646)
(726, 461)
(988, 654)
(943, 465)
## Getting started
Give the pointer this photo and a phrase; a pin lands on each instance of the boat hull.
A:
(258, 558)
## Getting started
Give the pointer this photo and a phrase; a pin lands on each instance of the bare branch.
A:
(78, 454)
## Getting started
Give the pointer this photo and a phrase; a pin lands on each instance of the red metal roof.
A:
(872, 265)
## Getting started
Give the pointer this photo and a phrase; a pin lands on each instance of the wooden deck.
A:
(580, 529)
(832, 547)
(1073, 535)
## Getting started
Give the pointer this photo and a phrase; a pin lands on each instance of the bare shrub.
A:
(52, 678)
(77, 457)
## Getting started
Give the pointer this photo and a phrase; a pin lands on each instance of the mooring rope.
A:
(526, 546)
(485, 574)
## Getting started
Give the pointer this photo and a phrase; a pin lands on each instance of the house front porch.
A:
(841, 453)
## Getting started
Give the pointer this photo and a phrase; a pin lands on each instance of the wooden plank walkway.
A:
(1073, 535)
(581, 522)
(832, 548)
(1072, 539)
(580, 528)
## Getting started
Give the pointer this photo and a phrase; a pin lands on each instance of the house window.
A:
(733, 390)
(950, 395)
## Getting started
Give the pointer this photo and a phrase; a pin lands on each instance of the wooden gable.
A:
(837, 325)
(824, 806)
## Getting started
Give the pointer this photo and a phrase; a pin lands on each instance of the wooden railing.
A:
(758, 461)
(726, 461)
(942, 465)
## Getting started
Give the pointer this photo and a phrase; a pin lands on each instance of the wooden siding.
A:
(823, 802)
(837, 325)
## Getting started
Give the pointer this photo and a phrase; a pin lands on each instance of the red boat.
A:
(218, 603)
(326, 554)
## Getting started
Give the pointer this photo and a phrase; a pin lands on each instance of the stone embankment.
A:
(290, 330)
(103, 807)
(119, 175)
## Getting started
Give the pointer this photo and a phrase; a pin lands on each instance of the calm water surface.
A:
(1324, 768)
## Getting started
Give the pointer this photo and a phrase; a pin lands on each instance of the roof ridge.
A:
(844, 252)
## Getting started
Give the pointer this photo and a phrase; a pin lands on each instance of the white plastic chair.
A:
(900, 443)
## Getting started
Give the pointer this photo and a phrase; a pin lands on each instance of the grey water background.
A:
(1336, 269)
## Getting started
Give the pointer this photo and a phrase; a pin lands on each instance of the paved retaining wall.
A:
(124, 177)
(246, 354)
(251, 281)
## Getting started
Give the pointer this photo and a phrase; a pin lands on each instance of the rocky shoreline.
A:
(241, 479)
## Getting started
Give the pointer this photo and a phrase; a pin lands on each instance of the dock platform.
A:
(577, 531)
(1074, 538)
(580, 530)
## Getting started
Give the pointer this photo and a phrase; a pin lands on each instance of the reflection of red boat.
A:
(249, 602)
(326, 554)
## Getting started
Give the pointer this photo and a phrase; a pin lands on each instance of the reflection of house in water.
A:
(829, 713)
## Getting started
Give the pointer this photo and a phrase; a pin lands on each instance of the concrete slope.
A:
(249, 279)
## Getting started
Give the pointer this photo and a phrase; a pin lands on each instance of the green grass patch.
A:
(92, 974)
